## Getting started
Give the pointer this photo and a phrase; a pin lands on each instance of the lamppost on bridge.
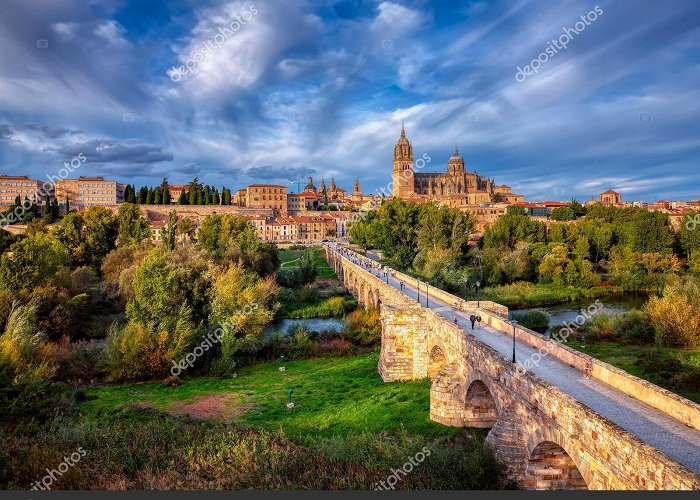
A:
(513, 322)
(427, 295)
(478, 284)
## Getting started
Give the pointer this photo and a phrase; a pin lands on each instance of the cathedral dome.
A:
(456, 162)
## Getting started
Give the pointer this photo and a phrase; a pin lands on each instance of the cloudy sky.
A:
(269, 91)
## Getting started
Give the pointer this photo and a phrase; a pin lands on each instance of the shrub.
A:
(309, 293)
(144, 351)
(676, 314)
(534, 320)
(364, 327)
(330, 308)
(634, 326)
(290, 278)
(301, 345)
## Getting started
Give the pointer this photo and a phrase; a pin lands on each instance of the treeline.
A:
(195, 194)
(630, 247)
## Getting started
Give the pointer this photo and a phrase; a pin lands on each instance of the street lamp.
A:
(478, 284)
(513, 322)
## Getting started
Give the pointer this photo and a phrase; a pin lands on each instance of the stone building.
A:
(12, 186)
(89, 192)
(456, 186)
(610, 197)
(263, 196)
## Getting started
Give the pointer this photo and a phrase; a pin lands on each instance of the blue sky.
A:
(321, 88)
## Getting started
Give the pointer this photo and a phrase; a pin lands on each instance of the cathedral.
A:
(456, 187)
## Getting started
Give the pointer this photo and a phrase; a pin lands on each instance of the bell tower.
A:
(402, 178)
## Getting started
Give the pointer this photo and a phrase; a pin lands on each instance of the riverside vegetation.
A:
(93, 314)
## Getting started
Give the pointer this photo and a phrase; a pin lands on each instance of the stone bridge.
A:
(551, 428)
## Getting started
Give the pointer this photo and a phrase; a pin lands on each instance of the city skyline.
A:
(326, 87)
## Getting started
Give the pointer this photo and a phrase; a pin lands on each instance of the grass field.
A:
(347, 430)
(290, 260)
(332, 396)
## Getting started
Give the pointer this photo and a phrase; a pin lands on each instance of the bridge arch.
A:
(437, 360)
(552, 463)
(481, 408)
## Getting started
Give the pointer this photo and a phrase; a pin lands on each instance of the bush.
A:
(290, 278)
(364, 327)
(334, 307)
(534, 320)
(635, 327)
(676, 314)
(145, 351)
(309, 293)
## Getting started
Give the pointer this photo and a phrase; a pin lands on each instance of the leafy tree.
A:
(307, 265)
(243, 304)
(165, 196)
(149, 197)
(513, 226)
(88, 237)
(32, 261)
(562, 214)
(132, 228)
(184, 199)
(689, 236)
(169, 232)
(187, 227)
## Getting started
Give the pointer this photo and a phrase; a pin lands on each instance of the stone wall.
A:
(196, 212)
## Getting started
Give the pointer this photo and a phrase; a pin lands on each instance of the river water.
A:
(312, 325)
(612, 304)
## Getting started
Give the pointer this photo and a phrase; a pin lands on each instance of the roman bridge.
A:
(550, 426)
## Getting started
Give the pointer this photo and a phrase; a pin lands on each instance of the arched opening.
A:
(551, 468)
(480, 406)
(436, 361)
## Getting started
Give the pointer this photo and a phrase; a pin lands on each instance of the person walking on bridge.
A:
(472, 319)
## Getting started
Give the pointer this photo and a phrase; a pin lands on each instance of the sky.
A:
(275, 91)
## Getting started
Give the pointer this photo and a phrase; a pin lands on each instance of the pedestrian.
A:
(455, 319)
(472, 319)
(478, 319)
(400, 285)
(587, 368)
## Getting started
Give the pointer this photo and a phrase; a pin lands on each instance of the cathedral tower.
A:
(402, 179)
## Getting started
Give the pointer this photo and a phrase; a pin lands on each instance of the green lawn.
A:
(348, 430)
(290, 260)
(332, 396)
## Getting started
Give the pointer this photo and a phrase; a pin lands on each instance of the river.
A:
(312, 325)
(612, 304)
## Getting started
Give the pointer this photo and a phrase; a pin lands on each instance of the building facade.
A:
(610, 197)
(263, 196)
(89, 192)
(456, 186)
(12, 186)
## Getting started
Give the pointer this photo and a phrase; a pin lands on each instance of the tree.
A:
(307, 265)
(166, 196)
(132, 228)
(184, 199)
(689, 236)
(513, 226)
(149, 197)
(32, 261)
(187, 227)
(562, 214)
(88, 237)
(169, 231)
(242, 304)
(195, 186)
